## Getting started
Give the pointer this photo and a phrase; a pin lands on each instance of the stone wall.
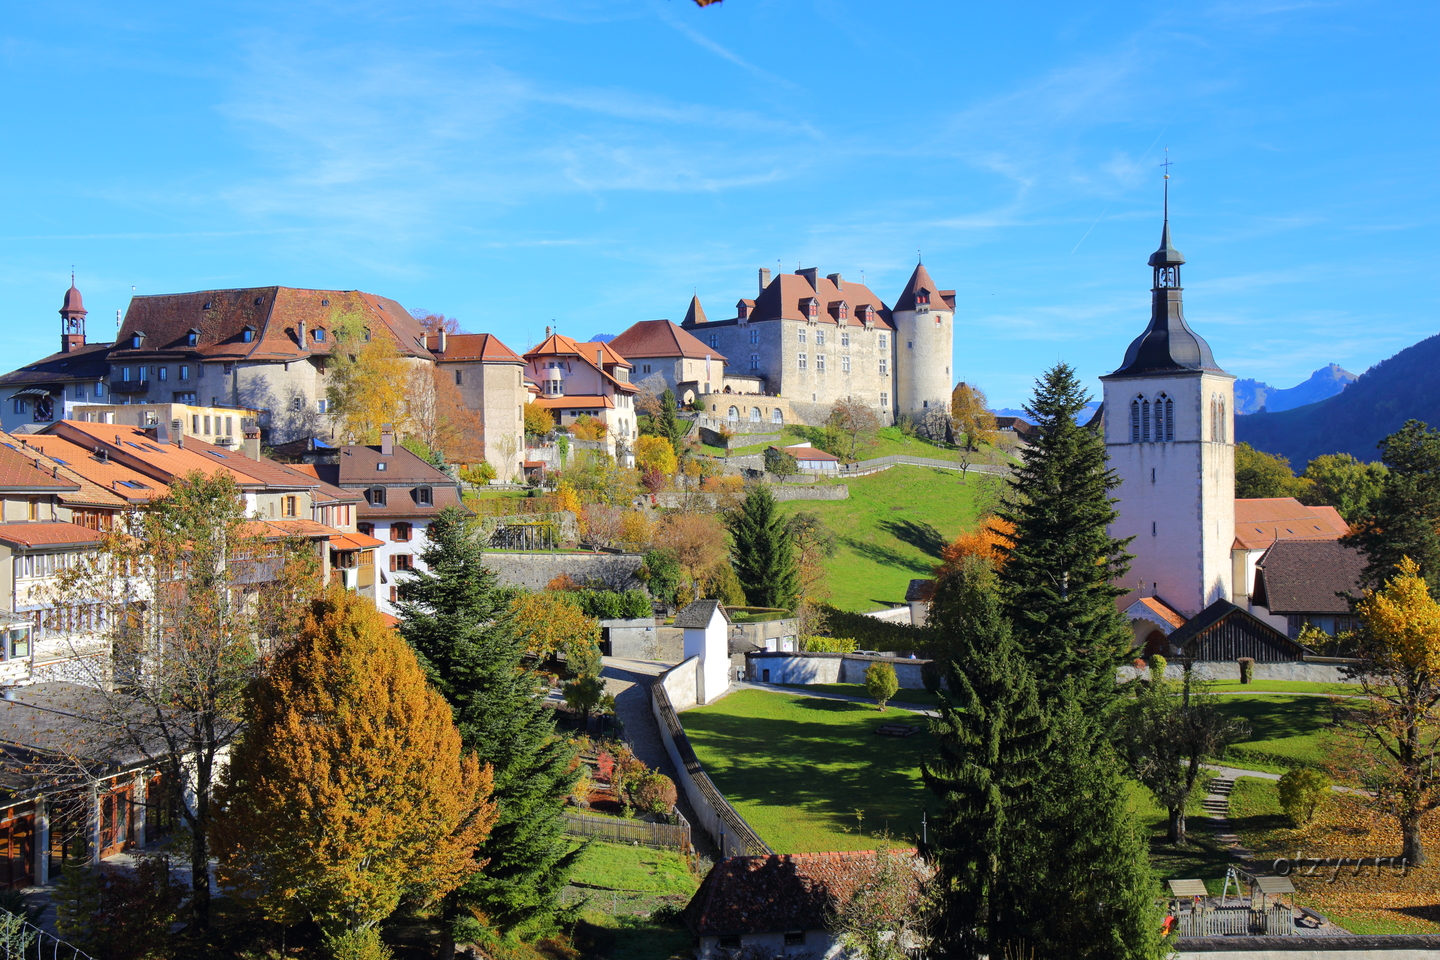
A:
(676, 689)
(631, 639)
(834, 491)
(1316, 670)
(534, 570)
(831, 668)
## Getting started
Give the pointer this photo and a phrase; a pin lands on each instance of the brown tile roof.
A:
(30, 473)
(359, 466)
(558, 345)
(108, 475)
(485, 347)
(814, 454)
(355, 541)
(1163, 610)
(578, 402)
(920, 282)
(280, 529)
(47, 533)
(779, 893)
(90, 493)
(325, 492)
(90, 362)
(275, 314)
(1305, 576)
(920, 591)
(401, 504)
(693, 315)
(661, 338)
(785, 294)
(1260, 522)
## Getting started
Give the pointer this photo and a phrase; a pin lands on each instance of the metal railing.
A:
(861, 467)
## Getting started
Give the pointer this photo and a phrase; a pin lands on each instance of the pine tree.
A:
(667, 423)
(1404, 520)
(306, 827)
(455, 616)
(991, 735)
(1061, 565)
(763, 552)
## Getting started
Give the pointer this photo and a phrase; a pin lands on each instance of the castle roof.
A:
(696, 313)
(596, 354)
(786, 298)
(661, 338)
(920, 283)
(484, 347)
(73, 304)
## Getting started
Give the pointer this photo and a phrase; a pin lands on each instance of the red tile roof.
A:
(784, 296)
(661, 338)
(920, 283)
(1163, 610)
(484, 347)
(48, 533)
(30, 473)
(108, 475)
(1260, 522)
(274, 313)
(778, 893)
(558, 345)
(814, 454)
(578, 402)
(355, 541)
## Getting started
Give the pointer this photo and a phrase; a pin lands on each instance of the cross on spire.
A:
(1166, 166)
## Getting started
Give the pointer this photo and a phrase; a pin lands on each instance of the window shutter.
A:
(392, 563)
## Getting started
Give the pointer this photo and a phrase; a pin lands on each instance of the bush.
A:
(662, 573)
(652, 480)
(827, 645)
(614, 605)
(358, 945)
(655, 793)
(872, 634)
(1247, 669)
(479, 474)
(881, 683)
(1302, 790)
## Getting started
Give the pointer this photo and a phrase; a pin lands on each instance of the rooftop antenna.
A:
(919, 259)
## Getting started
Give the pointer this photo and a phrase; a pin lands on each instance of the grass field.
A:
(1376, 901)
(610, 936)
(919, 698)
(892, 530)
(1285, 732)
(639, 869)
(889, 441)
(799, 768)
(1202, 858)
(1283, 686)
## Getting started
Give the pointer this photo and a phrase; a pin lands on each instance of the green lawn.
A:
(1285, 732)
(639, 869)
(919, 698)
(1202, 858)
(798, 768)
(1283, 686)
(891, 530)
(599, 936)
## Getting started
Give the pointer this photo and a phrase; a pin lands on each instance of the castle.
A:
(817, 340)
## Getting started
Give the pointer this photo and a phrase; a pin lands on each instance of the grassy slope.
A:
(889, 441)
(891, 531)
(1285, 732)
(642, 869)
(798, 768)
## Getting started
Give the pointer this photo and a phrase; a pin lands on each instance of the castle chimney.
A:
(547, 333)
(300, 327)
(811, 274)
(387, 439)
(835, 279)
(764, 278)
(442, 338)
(178, 428)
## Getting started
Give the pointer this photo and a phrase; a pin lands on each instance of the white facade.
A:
(924, 343)
(712, 645)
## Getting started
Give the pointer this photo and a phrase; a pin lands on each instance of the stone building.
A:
(817, 340)
(49, 389)
(491, 380)
(1168, 419)
(586, 379)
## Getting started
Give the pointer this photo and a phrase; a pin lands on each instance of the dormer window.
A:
(193, 337)
(367, 334)
(922, 297)
(424, 496)
(247, 335)
(742, 310)
(812, 309)
(319, 335)
(209, 305)
(137, 339)
(714, 341)
(376, 496)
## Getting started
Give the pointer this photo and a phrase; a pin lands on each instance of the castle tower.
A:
(924, 319)
(72, 319)
(1169, 415)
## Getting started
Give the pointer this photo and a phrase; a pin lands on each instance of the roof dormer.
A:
(743, 309)
(137, 339)
(840, 310)
(247, 334)
(192, 337)
(810, 307)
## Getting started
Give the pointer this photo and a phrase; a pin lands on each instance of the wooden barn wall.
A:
(1233, 638)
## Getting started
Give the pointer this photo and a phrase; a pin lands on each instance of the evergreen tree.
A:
(667, 422)
(1061, 566)
(1404, 520)
(763, 552)
(455, 616)
(991, 735)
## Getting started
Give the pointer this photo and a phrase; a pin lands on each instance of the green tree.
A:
(881, 683)
(1060, 565)
(303, 830)
(763, 551)
(662, 573)
(667, 421)
(1170, 731)
(780, 463)
(1259, 474)
(455, 615)
(1302, 790)
(990, 741)
(1342, 482)
(1404, 521)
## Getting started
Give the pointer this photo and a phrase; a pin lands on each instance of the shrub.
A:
(1302, 790)
(358, 945)
(881, 683)
(16, 939)
(605, 766)
(655, 793)
(580, 792)
(827, 645)
(662, 573)
(652, 480)
(614, 605)
(872, 634)
(479, 474)
(1247, 669)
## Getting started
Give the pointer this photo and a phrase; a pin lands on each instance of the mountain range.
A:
(1404, 387)
(1252, 396)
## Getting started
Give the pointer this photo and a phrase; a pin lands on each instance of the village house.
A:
(658, 348)
(222, 426)
(586, 380)
(490, 378)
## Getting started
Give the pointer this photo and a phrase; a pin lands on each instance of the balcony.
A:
(130, 386)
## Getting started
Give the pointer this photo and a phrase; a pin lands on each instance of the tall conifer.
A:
(763, 552)
(454, 615)
(1061, 564)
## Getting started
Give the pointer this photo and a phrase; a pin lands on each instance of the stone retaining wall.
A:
(1312, 671)
(809, 668)
(675, 690)
(534, 570)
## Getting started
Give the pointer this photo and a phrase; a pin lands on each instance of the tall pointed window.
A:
(1224, 422)
(1164, 419)
(1135, 420)
(1169, 419)
(1145, 421)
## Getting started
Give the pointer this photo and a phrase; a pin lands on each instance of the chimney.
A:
(251, 445)
(600, 357)
(387, 439)
(442, 338)
(300, 328)
(547, 333)
(812, 274)
(178, 428)
(835, 279)
(764, 278)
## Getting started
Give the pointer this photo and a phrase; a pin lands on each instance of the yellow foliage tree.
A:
(348, 790)
(988, 542)
(1399, 717)
(656, 453)
(587, 427)
(552, 624)
(971, 415)
(567, 499)
(636, 531)
(538, 420)
(368, 381)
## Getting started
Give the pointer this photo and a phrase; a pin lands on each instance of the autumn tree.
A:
(191, 600)
(855, 425)
(886, 915)
(656, 453)
(1398, 718)
(538, 421)
(433, 323)
(988, 541)
(368, 380)
(697, 543)
(586, 427)
(551, 624)
(437, 415)
(971, 416)
(302, 828)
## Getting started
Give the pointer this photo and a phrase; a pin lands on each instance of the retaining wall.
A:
(674, 690)
(837, 491)
(830, 668)
(534, 570)
(1311, 671)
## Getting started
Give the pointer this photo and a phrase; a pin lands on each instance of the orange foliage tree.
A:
(348, 790)
(987, 541)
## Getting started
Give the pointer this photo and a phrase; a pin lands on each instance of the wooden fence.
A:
(1276, 920)
(675, 836)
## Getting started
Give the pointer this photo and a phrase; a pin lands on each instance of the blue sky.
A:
(518, 162)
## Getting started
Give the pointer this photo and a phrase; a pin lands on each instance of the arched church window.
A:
(1224, 422)
(1145, 421)
(1164, 419)
(1135, 420)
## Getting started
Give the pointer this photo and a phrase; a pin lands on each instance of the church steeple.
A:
(72, 319)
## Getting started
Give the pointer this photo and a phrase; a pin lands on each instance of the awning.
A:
(31, 392)
(355, 541)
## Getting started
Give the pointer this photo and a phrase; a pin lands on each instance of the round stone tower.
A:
(924, 319)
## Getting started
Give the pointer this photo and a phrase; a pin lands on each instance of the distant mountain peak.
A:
(1252, 396)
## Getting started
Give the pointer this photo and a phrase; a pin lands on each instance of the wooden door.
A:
(17, 849)
(117, 820)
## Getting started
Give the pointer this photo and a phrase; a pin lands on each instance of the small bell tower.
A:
(72, 319)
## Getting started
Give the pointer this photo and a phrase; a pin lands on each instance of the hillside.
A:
(1253, 395)
(891, 530)
(1407, 386)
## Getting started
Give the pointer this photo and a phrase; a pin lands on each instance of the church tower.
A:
(924, 319)
(1169, 416)
(72, 319)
